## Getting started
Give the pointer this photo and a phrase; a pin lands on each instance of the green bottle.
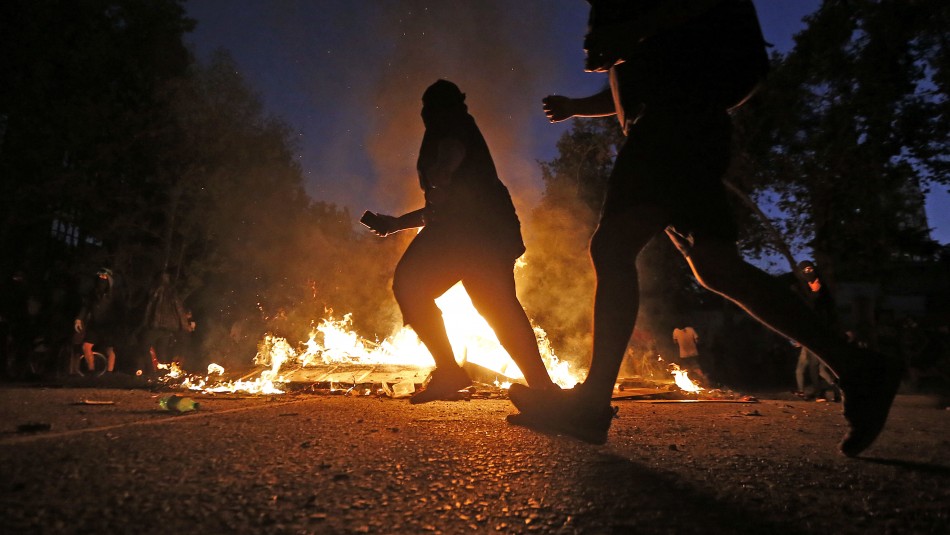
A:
(176, 403)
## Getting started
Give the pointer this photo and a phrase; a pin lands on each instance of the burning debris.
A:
(682, 380)
(336, 360)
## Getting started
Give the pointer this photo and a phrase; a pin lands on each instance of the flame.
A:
(681, 377)
(334, 341)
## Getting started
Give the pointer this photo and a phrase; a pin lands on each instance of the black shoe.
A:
(443, 385)
(560, 412)
(868, 394)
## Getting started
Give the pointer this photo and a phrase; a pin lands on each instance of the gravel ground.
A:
(303, 463)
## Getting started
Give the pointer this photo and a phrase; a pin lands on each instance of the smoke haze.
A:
(359, 70)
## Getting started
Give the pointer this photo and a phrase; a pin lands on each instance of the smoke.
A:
(349, 77)
(359, 71)
(493, 50)
(499, 54)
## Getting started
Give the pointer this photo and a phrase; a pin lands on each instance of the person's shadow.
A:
(633, 498)
(913, 466)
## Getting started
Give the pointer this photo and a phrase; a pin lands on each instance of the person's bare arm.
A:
(412, 219)
(607, 45)
(383, 225)
(558, 108)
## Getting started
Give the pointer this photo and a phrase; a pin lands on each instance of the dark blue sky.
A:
(348, 76)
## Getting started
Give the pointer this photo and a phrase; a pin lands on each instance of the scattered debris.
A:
(94, 402)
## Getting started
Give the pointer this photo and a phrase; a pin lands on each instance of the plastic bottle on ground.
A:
(176, 403)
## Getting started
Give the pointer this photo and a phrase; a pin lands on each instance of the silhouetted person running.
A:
(470, 234)
(676, 68)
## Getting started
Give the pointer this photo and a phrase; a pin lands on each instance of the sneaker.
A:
(443, 385)
(868, 393)
(560, 412)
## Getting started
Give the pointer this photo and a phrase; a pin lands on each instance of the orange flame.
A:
(334, 341)
(681, 377)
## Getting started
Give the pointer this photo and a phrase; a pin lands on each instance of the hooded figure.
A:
(472, 207)
(470, 234)
(100, 319)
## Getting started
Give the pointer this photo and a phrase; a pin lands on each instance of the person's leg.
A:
(800, 369)
(828, 381)
(110, 358)
(147, 355)
(584, 412)
(614, 248)
(868, 381)
(87, 354)
(74, 357)
(421, 276)
(718, 267)
(491, 286)
(635, 210)
(818, 387)
(426, 271)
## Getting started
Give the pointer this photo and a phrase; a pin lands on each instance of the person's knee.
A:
(400, 289)
(406, 285)
(415, 299)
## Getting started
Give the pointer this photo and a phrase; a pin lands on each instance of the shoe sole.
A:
(857, 440)
(461, 395)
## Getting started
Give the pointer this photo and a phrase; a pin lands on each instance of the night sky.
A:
(348, 76)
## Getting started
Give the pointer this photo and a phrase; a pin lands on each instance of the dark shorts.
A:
(675, 162)
(435, 261)
(100, 336)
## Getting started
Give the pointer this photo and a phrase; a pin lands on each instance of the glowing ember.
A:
(683, 381)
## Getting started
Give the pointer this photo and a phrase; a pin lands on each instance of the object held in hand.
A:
(371, 220)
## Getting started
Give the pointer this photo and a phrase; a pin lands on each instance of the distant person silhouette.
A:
(676, 68)
(99, 320)
(687, 341)
(165, 320)
(470, 233)
(818, 296)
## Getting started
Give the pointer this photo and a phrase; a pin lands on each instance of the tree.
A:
(80, 110)
(848, 133)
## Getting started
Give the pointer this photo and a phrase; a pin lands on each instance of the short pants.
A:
(675, 161)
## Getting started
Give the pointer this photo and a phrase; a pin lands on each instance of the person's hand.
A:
(557, 108)
(384, 225)
(77, 325)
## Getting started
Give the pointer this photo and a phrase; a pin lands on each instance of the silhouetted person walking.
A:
(99, 320)
(676, 68)
(165, 319)
(470, 233)
(819, 297)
